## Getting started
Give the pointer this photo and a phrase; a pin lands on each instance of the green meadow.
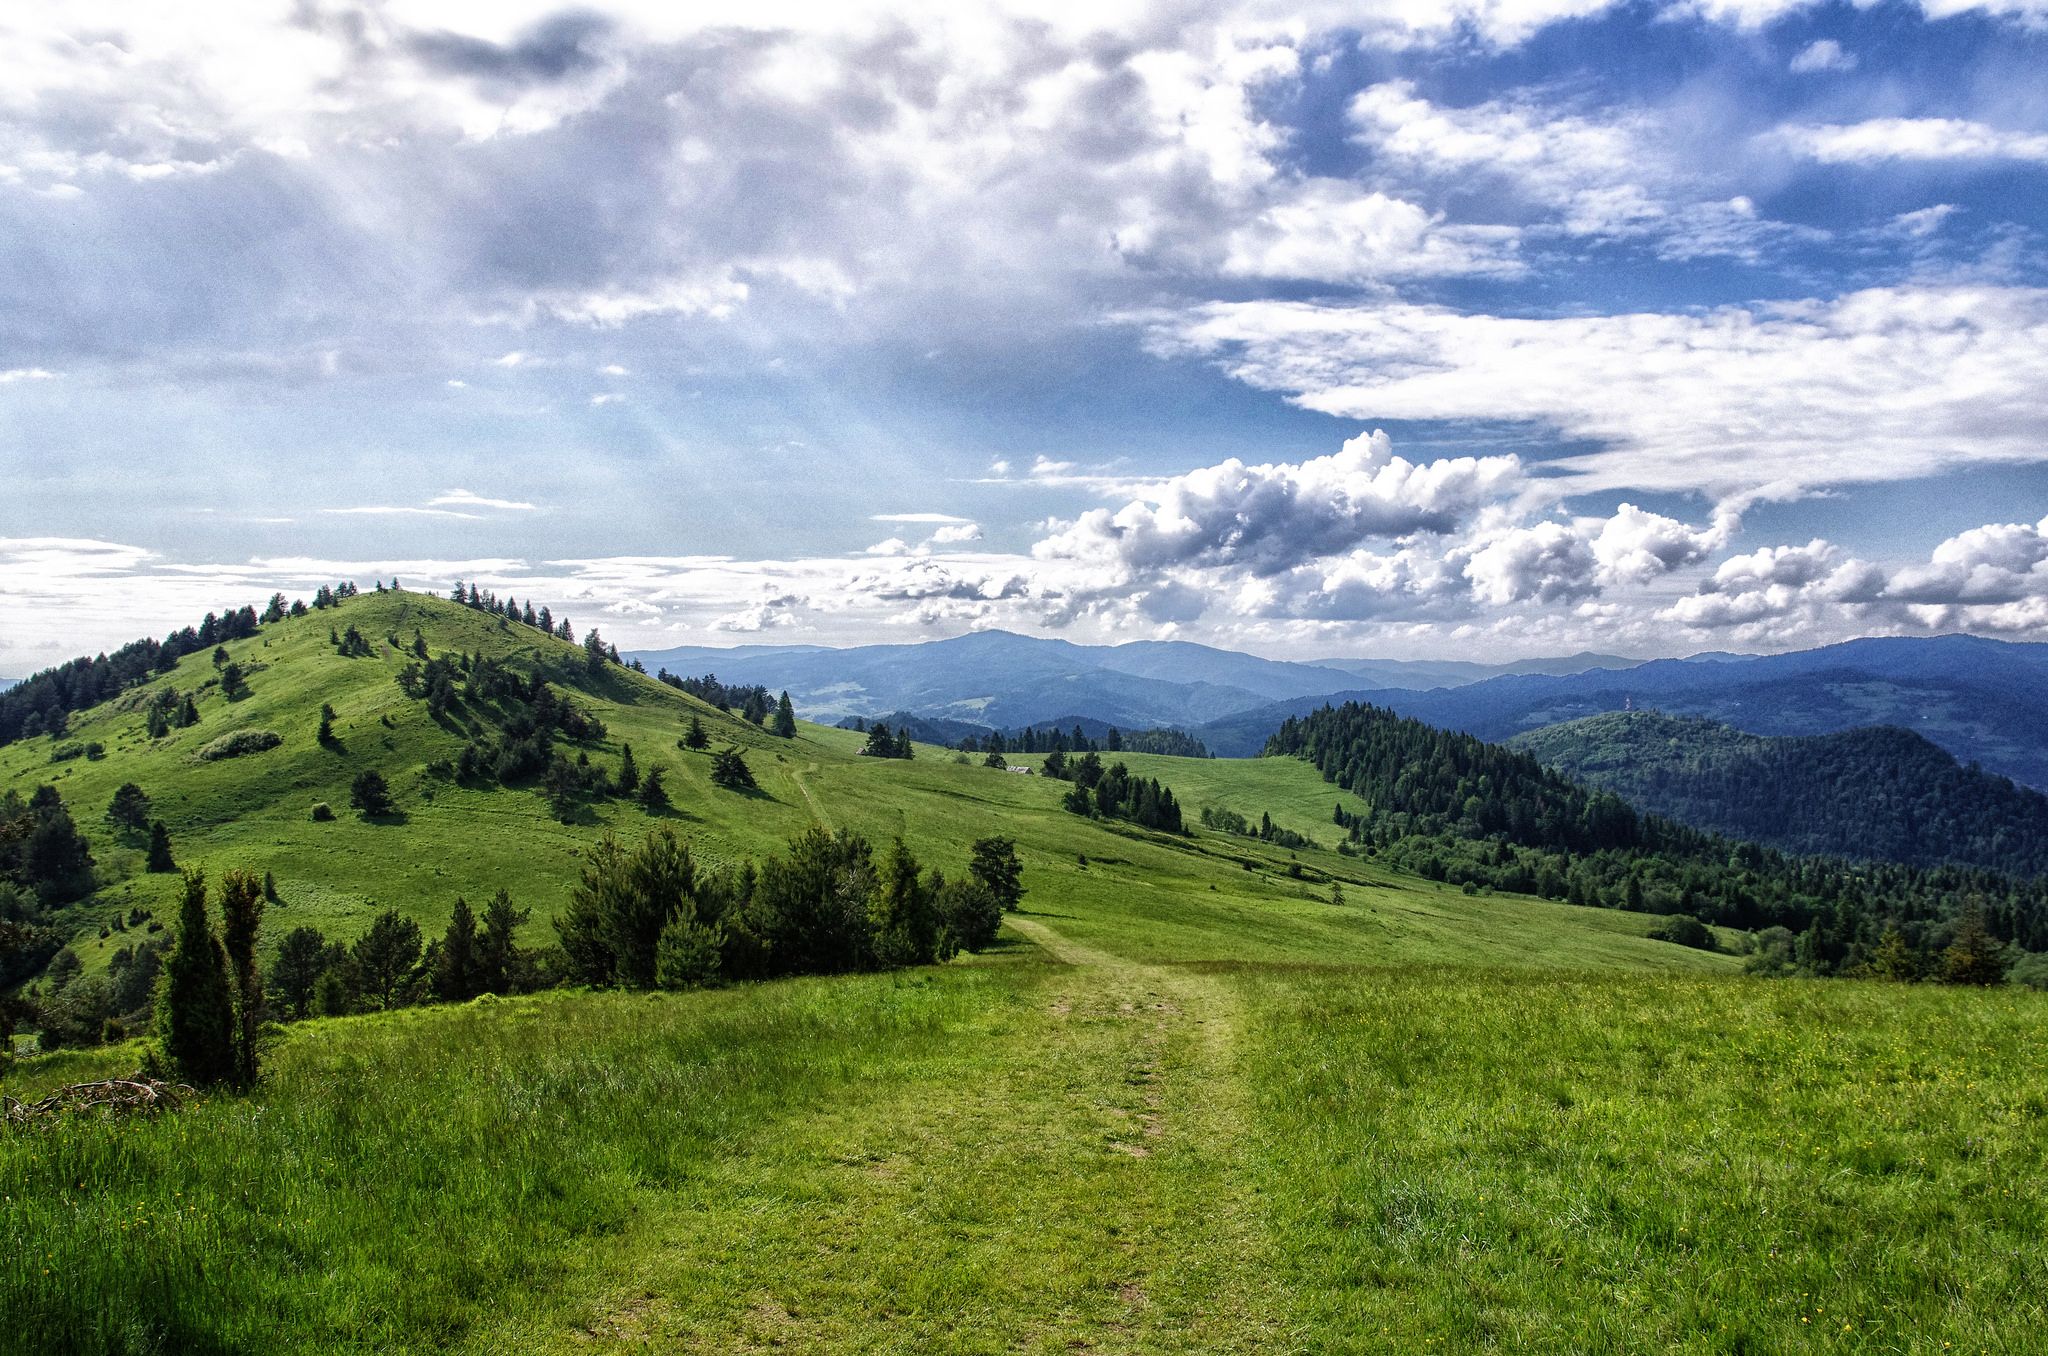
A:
(1188, 1103)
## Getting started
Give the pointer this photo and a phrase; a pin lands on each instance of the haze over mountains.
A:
(1001, 679)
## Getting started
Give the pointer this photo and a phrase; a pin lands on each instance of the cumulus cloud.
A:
(1267, 518)
(1882, 384)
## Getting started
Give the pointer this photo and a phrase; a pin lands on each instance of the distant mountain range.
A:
(1876, 794)
(999, 679)
(1984, 701)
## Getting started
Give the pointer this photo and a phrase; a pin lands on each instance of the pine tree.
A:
(160, 848)
(653, 795)
(499, 961)
(629, 772)
(326, 731)
(1893, 958)
(129, 809)
(1975, 956)
(455, 962)
(195, 1011)
(696, 738)
(785, 718)
(241, 907)
(729, 769)
(995, 865)
(301, 956)
(188, 714)
(369, 794)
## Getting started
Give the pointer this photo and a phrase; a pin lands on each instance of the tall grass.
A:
(399, 1178)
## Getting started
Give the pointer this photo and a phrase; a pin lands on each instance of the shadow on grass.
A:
(389, 819)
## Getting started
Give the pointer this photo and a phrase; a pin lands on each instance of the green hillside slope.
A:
(1220, 893)
(1876, 794)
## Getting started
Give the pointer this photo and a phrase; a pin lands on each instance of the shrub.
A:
(239, 742)
(322, 812)
(1685, 930)
(2030, 970)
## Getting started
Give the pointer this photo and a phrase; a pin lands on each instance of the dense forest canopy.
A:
(1454, 808)
(1874, 794)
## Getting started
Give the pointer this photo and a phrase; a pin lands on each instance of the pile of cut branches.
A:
(114, 1097)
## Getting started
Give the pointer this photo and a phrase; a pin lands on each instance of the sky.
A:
(1482, 330)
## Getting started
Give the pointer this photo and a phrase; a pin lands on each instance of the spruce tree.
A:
(629, 772)
(653, 795)
(785, 718)
(455, 967)
(696, 738)
(1975, 957)
(729, 769)
(195, 1010)
(326, 732)
(241, 907)
(160, 848)
(498, 958)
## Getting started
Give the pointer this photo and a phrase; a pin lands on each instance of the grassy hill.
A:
(1188, 1104)
(1876, 794)
(255, 811)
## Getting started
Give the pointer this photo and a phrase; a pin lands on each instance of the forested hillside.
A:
(1877, 794)
(1453, 807)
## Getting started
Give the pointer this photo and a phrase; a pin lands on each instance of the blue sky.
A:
(1475, 330)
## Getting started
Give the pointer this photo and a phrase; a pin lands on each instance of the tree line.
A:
(42, 703)
(1453, 808)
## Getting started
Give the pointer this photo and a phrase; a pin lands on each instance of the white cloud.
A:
(893, 546)
(956, 533)
(14, 374)
(1329, 231)
(917, 518)
(1877, 385)
(1878, 140)
(603, 398)
(1268, 518)
(1823, 55)
(400, 511)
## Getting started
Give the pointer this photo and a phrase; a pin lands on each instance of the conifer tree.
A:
(653, 795)
(241, 907)
(129, 809)
(455, 961)
(785, 718)
(629, 772)
(1975, 957)
(695, 738)
(326, 732)
(195, 1011)
(498, 959)
(160, 848)
(729, 769)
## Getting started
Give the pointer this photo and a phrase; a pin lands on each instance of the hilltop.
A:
(1875, 794)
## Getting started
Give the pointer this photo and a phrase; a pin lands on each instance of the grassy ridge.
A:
(255, 812)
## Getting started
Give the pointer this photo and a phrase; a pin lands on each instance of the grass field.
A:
(1189, 1105)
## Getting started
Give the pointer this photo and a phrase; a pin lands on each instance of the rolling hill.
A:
(1875, 794)
(453, 836)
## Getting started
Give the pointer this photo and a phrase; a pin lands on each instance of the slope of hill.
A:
(1984, 701)
(455, 837)
(997, 678)
(1876, 794)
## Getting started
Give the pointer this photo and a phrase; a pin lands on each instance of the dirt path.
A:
(1067, 1176)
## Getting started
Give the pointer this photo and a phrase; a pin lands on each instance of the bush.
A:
(2030, 970)
(239, 742)
(322, 812)
(1685, 930)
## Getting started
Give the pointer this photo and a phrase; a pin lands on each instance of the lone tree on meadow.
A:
(160, 848)
(326, 732)
(370, 794)
(785, 718)
(729, 769)
(629, 772)
(653, 795)
(695, 738)
(232, 684)
(129, 810)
